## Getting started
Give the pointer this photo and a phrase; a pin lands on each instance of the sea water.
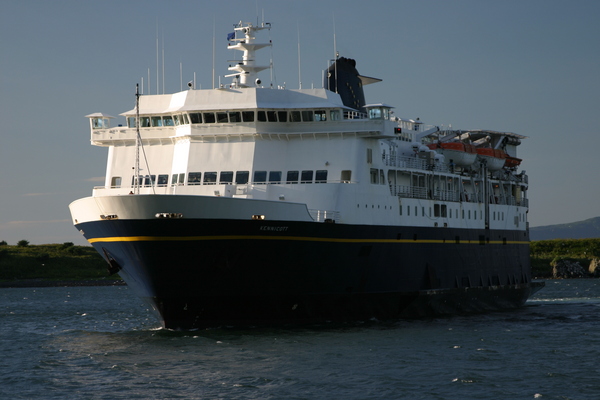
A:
(104, 343)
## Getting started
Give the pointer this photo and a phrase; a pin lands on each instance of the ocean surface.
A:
(104, 343)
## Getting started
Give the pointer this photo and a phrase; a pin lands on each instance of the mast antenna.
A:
(138, 140)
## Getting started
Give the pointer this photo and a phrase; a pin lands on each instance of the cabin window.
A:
(178, 179)
(149, 180)
(241, 177)
(226, 177)
(271, 116)
(100, 123)
(295, 116)
(407, 209)
(162, 180)
(400, 210)
(115, 182)
(248, 116)
(306, 177)
(320, 115)
(292, 177)
(381, 177)
(374, 175)
(210, 178)
(375, 113)
(235, 116)
(346, 176)
(168, 120)
(194, 178)
(307, 115)
(335, 115)
(260, 176)
(282, 116)
(275, 177)
(209, 118)
(144, 122)
(140, 180)
(261, 116)
(157, 121)
(196, 118)
(222, 117)
(321, 176)
(369, 156)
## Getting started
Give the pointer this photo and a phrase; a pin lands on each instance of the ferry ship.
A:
(252, 204)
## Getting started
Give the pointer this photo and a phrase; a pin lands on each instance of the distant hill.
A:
(588, 229)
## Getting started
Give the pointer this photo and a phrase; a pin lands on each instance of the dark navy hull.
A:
(199, 273)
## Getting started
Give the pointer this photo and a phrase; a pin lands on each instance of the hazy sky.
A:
(530, 67)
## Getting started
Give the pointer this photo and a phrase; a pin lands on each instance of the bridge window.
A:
(194, 178)
(210, 178)
(222, 117)
(144, 122)
(261, 116)
(295, 116)
(320, 115)
(149, 180)
(157, 121)
(271, 116)
(335, 115)
(163, 180)
(235, 116)
(306, 177)
(282, 116)
(321, 176)
(260, 176)
(292, 177)
(226, 177)
(209, 118)
(307, 115)
(248, 116)
(241, 177)
(168, 120)
(275, 177)
(196, 118)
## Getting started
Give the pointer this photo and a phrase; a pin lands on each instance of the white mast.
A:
(246, 69)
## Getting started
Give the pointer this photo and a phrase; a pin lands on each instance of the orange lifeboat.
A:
(512, 162)
(461, 154)
(495, 158)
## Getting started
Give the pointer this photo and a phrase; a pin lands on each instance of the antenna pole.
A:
(335, 53)
(136, 185)
(213, 56)
(299, 73)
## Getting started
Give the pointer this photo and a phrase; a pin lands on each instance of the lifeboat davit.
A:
(461, 154)
(495, 159)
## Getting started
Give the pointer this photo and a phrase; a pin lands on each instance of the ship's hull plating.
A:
(200, 272)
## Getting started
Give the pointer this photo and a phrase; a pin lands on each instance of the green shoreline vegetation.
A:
(66, 263)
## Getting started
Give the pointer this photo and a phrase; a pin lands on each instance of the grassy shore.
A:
(58, 264)
(52, 264)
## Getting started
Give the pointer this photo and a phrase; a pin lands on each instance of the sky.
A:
(531, 67)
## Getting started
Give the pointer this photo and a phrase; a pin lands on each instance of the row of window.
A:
(228, 177)
(441, 210)
(235, 116)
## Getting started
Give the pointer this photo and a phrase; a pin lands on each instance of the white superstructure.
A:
(303, 148)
